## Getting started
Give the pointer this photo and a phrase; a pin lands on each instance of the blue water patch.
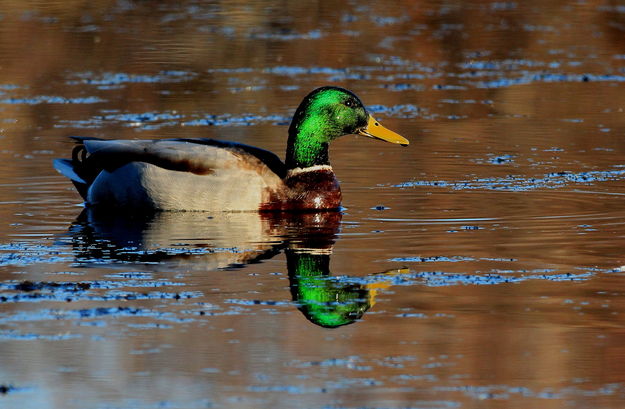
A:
(350, 362)
(446, 259)
(156, 120)
(150, 325)
(519, 183)
(111, 79)
(508, 392)
(258, 302)
(457, 101)
(47, 99)
(287, 35)
(452, 259)
(448, 87)
(499, 159)
(144, 120)
(495, 159)
(614, 9)
(399, 74)
(19, 336)
(296, 70)
(501, 65)
(503, 5)
(532, 27)
(397, 111)
(238, 70)
(226, 31)
(22, 254)
(143, 117)
(288, 389)
(331, 74)
(289, 87)
(388, 20)
(10, 87)
(443, 279)
(244, 120)
(249, 88)
(421, 315)
(530, 78)
(406, 76)
(70, 292)
(81, 317)
(402, 86)
(137, 275)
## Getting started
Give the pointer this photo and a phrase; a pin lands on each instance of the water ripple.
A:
(519, 183)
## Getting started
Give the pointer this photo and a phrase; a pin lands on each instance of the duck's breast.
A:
(308, 189)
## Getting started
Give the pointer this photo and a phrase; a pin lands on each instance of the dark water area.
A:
(479, 267)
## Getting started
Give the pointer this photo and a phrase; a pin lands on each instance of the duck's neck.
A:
(303, 265)
(306, 146)
(308, 275)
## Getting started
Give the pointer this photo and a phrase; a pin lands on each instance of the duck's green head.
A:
(324, 115)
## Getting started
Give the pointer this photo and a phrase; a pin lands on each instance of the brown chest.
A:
(313, 190)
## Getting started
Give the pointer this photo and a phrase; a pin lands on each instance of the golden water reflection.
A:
(197, 241)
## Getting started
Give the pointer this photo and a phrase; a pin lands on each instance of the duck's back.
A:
(202, 175)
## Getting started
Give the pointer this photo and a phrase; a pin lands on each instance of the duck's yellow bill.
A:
(379, 285)
(375, 130)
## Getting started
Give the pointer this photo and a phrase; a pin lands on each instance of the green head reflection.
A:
(324, 300)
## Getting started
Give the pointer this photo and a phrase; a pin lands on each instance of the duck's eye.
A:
(350, 103)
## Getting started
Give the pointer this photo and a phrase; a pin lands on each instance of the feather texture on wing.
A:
(175, 174)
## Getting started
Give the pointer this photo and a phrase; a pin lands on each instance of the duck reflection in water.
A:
(196, 241)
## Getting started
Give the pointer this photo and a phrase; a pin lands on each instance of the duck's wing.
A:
(197, 156)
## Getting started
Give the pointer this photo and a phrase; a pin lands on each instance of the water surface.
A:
(480, 267)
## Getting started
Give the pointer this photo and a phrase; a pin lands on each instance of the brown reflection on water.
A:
(500, 227)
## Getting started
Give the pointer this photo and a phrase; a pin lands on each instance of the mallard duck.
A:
(210, 175)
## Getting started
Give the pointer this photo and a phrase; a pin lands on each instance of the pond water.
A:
(479, 267)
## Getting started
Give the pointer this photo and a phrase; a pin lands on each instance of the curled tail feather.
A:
(76, 169)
